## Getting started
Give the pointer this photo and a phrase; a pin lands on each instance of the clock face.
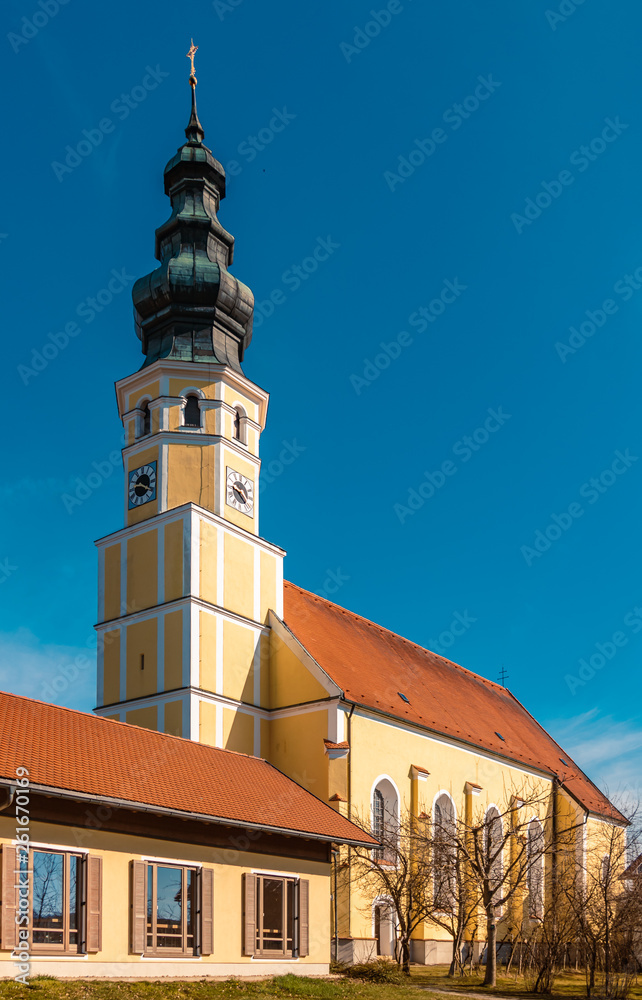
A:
(240, 492)
(142, 485)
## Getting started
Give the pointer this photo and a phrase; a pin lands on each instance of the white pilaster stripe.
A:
(100, 673)
(160, 716)
(219, 725)
(185, 673)
(195, 728)
(257, 584)
(195, 646)
(195, 560)
(219, 655)
(220, 566)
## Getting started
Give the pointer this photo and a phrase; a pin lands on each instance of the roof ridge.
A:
(128, 725)
(382, 628)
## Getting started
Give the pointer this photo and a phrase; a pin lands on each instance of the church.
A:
(242, 724)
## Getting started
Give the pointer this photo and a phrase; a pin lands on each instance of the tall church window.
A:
(444, 853)
(535, 874)
(493, 844)
(237, 425)
(192, 412)
(385, 820)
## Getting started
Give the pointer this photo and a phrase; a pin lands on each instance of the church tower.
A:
(186, 586)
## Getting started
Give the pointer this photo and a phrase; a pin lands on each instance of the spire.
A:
(194, 130)
(191, 308)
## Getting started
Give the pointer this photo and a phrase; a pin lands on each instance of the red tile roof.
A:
(373, 666)
(78, 752)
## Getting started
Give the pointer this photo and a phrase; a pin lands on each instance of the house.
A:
(127, 852)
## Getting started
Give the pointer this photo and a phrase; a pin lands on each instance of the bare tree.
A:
(398, 871)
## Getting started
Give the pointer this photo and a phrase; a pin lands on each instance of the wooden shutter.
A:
(138, 923)
(249, 914)
(9, 896)
(94, 903)
(304, 918)
(207, 911)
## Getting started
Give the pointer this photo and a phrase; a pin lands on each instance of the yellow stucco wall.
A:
(207, 650)
(141, 640)
(174, 718)
(238, 656)
(238, 588)
(112, 581)
(208, 563)
(238, 731)
(296, 747)
(174, 560)
(111, 668)
(142, 571)
(145, 717)
(290, 682)
(173, 650)
(190, 475)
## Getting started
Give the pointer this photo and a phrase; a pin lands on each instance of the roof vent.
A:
(564, 762)
(500, 736)
(403, 697)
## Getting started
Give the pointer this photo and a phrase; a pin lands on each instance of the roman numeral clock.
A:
(142, 485)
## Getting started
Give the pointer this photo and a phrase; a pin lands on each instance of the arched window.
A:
(444, 853)
(385, 819)
(535, 872)
(237, 424)
(493, 834)
(192, 412)
(145, 420)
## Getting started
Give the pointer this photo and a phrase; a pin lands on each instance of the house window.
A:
(65, 899)
(192, 414)
(55, 900)
(276, 916)
(170, 910)
(378, 820)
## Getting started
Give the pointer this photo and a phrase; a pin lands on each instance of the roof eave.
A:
(70, 794)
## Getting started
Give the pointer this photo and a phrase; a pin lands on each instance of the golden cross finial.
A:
(190, 55)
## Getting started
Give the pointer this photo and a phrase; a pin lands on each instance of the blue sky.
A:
(459, 378)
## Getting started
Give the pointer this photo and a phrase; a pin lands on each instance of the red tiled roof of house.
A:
(375, 667)
(82, 753)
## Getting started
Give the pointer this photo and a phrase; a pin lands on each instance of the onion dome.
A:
(191, 308)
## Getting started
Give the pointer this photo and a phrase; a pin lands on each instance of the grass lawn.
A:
(424, 980)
